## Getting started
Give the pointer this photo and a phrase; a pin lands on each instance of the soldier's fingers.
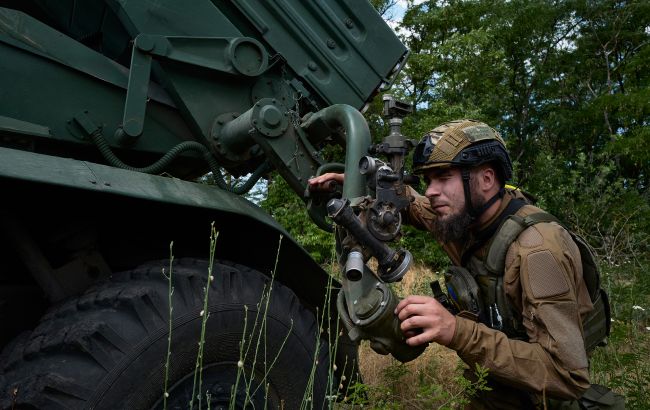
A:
(414, 322)
(420, 339)
(410, 333)
(414, 299)
(329, 176)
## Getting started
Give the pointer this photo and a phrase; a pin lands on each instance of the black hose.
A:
(239, 190)
(158, 166)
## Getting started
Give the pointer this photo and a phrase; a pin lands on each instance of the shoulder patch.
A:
(545, 275)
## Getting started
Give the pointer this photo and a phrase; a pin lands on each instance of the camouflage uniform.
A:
(543, 281)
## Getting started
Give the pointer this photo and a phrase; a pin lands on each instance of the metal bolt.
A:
(312, 66)
(348, 23)
(145, 43)
(270, 115)
(331, 43)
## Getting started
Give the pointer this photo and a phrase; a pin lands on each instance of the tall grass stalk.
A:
(261, 337)
(324, 326)
(333, 338)
(170, 292)
(198, 369)
(254, 345)
(240, 363)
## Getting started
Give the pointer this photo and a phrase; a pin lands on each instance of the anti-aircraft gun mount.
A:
(109, 112)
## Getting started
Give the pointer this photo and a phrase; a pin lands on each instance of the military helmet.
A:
(464, 143)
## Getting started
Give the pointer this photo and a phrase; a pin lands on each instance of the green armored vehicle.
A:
(110, 112)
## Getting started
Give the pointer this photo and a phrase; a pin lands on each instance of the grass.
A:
(624, 364)
(434, 380)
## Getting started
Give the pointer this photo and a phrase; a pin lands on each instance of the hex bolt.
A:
(331, 43)
(312, 66)
(348, 23)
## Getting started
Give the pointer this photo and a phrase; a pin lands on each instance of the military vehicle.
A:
(111, 112)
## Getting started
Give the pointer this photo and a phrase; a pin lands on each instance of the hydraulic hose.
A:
(241, 189)
(158, 166)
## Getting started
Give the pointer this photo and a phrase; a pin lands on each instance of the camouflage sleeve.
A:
(543, 279)
(419, 213)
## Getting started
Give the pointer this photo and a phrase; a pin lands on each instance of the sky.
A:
(395, 14)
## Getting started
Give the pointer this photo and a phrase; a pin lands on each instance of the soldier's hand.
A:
(324, 182)
(423, 319)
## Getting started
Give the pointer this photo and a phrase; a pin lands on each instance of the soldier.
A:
(519, 287)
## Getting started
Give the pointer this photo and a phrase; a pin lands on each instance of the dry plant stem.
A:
(266, 298)
(240, 363)
(307, 397)
(242, 357)
(245, 346)
(170, 292)
(332, 389)
(198, 370)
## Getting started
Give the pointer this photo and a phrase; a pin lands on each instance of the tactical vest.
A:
(486, 298)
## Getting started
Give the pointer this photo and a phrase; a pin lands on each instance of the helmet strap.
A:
(474, 212)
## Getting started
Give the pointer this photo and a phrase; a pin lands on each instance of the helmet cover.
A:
(463, 142)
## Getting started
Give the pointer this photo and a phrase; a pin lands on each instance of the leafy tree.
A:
(565, 82)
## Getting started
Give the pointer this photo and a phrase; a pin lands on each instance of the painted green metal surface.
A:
(243, 86)
(66, 172)
(325, 52)
(343, 49)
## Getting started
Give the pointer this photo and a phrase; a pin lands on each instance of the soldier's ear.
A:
(488, 179)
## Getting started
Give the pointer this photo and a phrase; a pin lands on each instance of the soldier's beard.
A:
(452, 228)
(455, 227)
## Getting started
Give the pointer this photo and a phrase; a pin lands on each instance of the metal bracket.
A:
(241, 56)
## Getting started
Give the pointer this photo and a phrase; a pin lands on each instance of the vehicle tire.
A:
(107, 348)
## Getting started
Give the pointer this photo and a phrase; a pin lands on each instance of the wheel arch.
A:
(131, 217)
(80, 214)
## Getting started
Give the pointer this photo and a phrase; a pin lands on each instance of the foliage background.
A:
(567, 84)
